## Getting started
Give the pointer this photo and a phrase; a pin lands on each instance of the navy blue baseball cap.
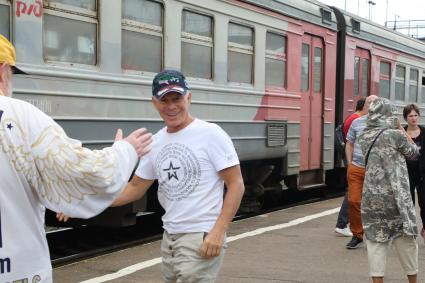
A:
(169, 81)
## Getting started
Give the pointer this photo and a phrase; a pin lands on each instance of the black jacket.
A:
(422, 155)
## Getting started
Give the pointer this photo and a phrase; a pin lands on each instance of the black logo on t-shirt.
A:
(179, 171)
(172, 173)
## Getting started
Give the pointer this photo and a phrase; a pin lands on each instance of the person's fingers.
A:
(61, 217)
(210, 251)
(142, 143)
(203, 250)
(118, 135)
(138, 132)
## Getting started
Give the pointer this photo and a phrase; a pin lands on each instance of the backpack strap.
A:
(370, 147)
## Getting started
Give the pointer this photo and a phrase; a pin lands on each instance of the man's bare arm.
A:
(134, 190)
(349, 149)
(235, 189)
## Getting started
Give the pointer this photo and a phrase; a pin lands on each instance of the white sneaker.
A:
(346, 232)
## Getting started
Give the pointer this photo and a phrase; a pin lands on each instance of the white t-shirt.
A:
(186, 165)
(40, 166)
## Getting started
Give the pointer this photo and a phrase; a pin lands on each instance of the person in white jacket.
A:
(41, 167)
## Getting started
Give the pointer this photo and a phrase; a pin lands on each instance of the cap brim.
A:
(178, 90)
(16, 70)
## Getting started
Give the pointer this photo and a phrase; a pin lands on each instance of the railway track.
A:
(70, 245)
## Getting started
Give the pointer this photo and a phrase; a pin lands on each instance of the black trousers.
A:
(418, 184)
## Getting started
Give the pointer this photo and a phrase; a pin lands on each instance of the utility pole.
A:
(371, 3)
(395, 21)
(358, 7)
(386, 15)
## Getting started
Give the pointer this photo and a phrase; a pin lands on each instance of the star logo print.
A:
(172, 174)
(9, 126)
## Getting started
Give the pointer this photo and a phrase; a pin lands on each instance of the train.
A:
(277, 75)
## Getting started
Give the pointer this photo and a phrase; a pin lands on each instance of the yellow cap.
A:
(8, 54)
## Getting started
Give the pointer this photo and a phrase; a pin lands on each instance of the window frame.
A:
(385, 77)
(72, 13)
(200, 40)
(144, 28)
(365, 79)
(9, 3)
(421, 76)
(269, 54)
(414, 83)
(356, 79)
(73, 9)
(243, 49)
(401, 80)
(305, 87)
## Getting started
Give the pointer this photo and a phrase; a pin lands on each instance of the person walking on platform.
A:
(42, 167)
(416, 165)
(192, 160)
(342, 225)
(355, 175)
(388, 213)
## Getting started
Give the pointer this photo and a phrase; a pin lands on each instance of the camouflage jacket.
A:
(387, 208)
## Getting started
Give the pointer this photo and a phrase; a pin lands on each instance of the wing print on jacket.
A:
(58, 168)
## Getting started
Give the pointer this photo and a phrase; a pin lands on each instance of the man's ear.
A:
(2, 72)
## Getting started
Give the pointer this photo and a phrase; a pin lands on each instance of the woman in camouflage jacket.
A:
(387, 209)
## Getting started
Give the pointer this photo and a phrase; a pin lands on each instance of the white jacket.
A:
(41, 167)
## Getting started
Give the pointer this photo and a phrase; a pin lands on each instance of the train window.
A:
(326, 16)
(413, 85)
(355, 25)
(384, 79)
(142, 35)
(197, 45)
(356, 75)
(70, 31)
(400, 82)
(305, 67)
(423, 87)
(81, 4)
(5, 18)
(240, 54)
(275, 60)
(317, 69)
(365, 77)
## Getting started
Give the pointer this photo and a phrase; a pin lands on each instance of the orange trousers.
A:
(355, 179)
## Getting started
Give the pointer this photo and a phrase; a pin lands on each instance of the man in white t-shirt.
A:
(192, 161)
(41, 167)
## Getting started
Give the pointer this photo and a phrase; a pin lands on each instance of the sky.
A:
(400, 10)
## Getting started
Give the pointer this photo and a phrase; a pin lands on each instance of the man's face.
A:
(174, 110)
(6, 80)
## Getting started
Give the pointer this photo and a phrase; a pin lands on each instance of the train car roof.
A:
(311, 11)
(364, 29)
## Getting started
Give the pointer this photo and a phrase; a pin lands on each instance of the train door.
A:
(311, 103)
(361, 80)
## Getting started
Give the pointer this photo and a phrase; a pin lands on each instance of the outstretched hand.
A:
(140, 139)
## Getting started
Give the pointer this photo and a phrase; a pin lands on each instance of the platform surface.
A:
(292, 245)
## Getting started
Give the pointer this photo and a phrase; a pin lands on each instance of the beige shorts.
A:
(181, 261)
(406, 248)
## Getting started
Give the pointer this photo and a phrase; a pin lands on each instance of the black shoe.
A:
(354, 243)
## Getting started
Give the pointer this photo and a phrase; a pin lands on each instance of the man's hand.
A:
(140, 139)
(212, 244)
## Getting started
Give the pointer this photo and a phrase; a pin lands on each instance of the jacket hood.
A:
(382, 114)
